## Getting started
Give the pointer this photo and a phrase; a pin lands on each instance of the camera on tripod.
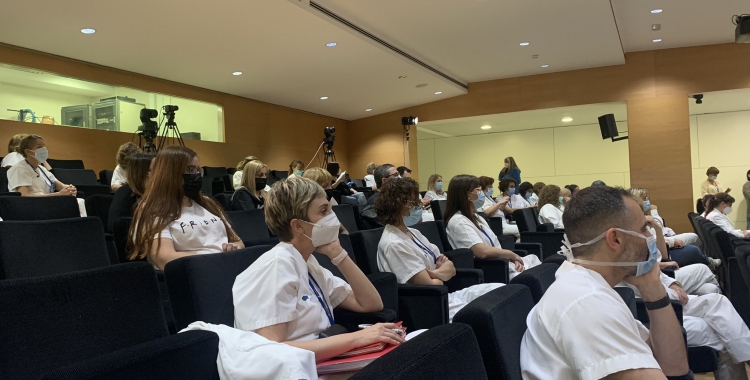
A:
(328, 141)
(169, 110)
(149, 129)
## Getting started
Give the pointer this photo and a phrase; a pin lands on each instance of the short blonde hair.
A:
(125, 153)
(248, 175)
(15, 141)
(637, 192)
(431, 182)
(371, 167)
(290, 199)
(319, 175)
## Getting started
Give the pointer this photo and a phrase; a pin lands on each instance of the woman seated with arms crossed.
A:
(491, 208)
(174, 219)
(125, 199)
(124, 154)
(286, 296)
(30, 178)
(515, 202)
(468, 230)
(717, 210)
(251, 195)
(550, 206)
(435, 188)
(406, 253)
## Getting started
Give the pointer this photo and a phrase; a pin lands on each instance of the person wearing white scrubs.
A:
(581, 328)
(465, 229)
(124, 154)
(435, 188)
(492, 208)
(370, 177)
(550, 206)
(406, 253)
(13, 156)
(717, 210)
(286, 296)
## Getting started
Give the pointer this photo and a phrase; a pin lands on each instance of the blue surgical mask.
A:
(511, 191)
(646, 205)
(490, 192)
(560, 200)
(533, 198)
(415, 214)
(479, 202)
(439, 185)
(528, 196)
(643, 266)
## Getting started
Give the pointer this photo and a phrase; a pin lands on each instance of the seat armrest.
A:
(546, 227)
(422, 306)
(519, 252)
(507, 241)
(387, 286)
(495, 270)
(531, 248)
(352, 320)
(465, 278)
(462, 258)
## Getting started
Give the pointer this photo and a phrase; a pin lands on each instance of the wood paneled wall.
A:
(655, 84)
(275, 134)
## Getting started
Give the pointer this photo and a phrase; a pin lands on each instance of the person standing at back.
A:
(712, 185)
(510, 170)
(746, 193)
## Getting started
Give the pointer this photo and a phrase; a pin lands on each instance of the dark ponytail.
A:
(716, 200)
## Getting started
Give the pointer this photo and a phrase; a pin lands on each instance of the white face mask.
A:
(41, 154)
(507, 165)
(325, 231)
(728, 210)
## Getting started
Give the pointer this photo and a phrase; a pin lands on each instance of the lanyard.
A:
(488, 236)
(321, 299)
(51, 184)
(424, 248)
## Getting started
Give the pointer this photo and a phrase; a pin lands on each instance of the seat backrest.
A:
(49, 322)
(105, 177)
(75, 176)
(498, 319)
(538, 279)
(38, 208)
(48, 247)
(120, 229)
(249, 224)
(365, 245)
(346, 215)
(724, 243)
(443, 235)
(65, 164)
(4, 179)
(743, 254)
(98, 205)
(200, 286)
(214, 172)
(280, 174)
(430, 231)
(438, 209)
(225, 200)
(699, 207)
(525, 220)
(359, 182)
(454, 346)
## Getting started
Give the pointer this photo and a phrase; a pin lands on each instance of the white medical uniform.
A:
(689, 238)
(196, 230)
(11, 159)
(710, 320)
(582, 329)
(435, 196)
(119, 177)
(508, 229)
(462, 233)
(427, 215)
(551, 214)
(237, 181)
(399, 254)
(42, 182)
(722, 221)
(517, 201)
(277, 289)
(369, 180)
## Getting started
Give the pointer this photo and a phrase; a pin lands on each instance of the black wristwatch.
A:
(656, 305)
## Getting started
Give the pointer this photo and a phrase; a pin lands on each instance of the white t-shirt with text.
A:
(197, 231)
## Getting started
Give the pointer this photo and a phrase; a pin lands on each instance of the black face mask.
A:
(260, 184)
(193, 183)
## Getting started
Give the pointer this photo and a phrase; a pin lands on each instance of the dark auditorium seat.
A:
(38, 208)
(120, 230)
(98, 206)
(105, 323)
(4, 180)
(84, 180)
(105, 177)
(65, 164)
(225, 200)
(250, 226)
(538, 279)
(348, 216)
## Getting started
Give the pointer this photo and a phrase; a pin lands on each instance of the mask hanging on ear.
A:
(643, 266)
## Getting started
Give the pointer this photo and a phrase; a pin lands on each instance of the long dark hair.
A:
(512, 165)
(138, 168)
(717, 200)
(458, 198)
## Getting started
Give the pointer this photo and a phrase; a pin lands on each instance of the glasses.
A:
(192, 170)
(391, 175)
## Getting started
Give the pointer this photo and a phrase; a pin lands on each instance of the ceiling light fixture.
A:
(402, 76)
(438, 93)
(655, 27)
(323, 97)
(88, 31)
(655, 11)
(331, 44)
(657, 40)
(524, 44)
(486, 127)
(368, 110)
(567, 119)
(545, 66)
(236, 73)
(421, 85)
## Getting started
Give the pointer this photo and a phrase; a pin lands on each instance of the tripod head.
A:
(149, 129)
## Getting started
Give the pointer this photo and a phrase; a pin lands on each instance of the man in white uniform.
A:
(581, 328)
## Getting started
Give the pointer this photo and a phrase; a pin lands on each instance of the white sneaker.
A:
(713, 263)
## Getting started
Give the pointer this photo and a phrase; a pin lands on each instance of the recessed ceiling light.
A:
(402, 76)
(237, 73)
(486, 127)
(657, 40)
(368, 110)
(323, 97)
(331, 44)
(545, 66)
(524, 44)
(421, 85)
(567, 119)
(655, 11)
(88, 31)
(438, 93)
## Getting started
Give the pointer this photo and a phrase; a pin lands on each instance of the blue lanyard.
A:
(424, 248)
(51, 184)
(488, 236)
(321, 299)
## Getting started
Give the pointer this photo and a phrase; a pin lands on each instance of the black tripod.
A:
(170, 132)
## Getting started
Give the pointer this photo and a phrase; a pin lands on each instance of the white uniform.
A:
(435, 196)
(582, 329)
(551, 214)
(427, 215)
(722, 221)
(508, 229)
(369, 180)
(399, 254)
(517, 201)
(196, 230)
(11, 159)
(462, 233)
(689, 238)
(119, 177)
(277, 289)
(41, 182)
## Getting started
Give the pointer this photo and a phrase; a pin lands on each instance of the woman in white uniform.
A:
(435, 188)
(406, 253)
(492, 208)
(717, 210)
(286, 296)
(124, 154)
(370, 177)
(467, 230)
(508, 188)
(14, 156)
(550, 206)
(174, 219)
(526, 191)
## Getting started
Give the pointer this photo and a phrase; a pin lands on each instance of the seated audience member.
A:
(30, 178)
(712, 185)
(704, 201)
(286, 296)
(296, 169)
(468, 230)
(251, 195)
(427, 216)
(598, 183)
(565, 194)
(550, 203)
(435, 188)
(125, 199)
(508, 189)
(382, 174)
(404, 172)
(370, 177)
(581, 328)
(174, 219)
(237, 177)
(323, 178)
(716, 211)
(348, 195)
(510, 170)
(526, 190)
(124, 154)
(746, 194)
(406, 253)
(538, 188)
(573, 189)
(492, 208)
(14, 156)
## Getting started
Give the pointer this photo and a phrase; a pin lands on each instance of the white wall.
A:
(558, 155)
(721, 140)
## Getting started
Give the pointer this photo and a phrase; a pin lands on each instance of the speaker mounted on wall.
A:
(608, 127)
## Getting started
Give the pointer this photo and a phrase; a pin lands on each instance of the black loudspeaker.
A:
(608, 126)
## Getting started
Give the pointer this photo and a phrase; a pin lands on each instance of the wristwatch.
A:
(656, 305)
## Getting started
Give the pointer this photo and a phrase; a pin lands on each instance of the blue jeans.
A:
(687, 255)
